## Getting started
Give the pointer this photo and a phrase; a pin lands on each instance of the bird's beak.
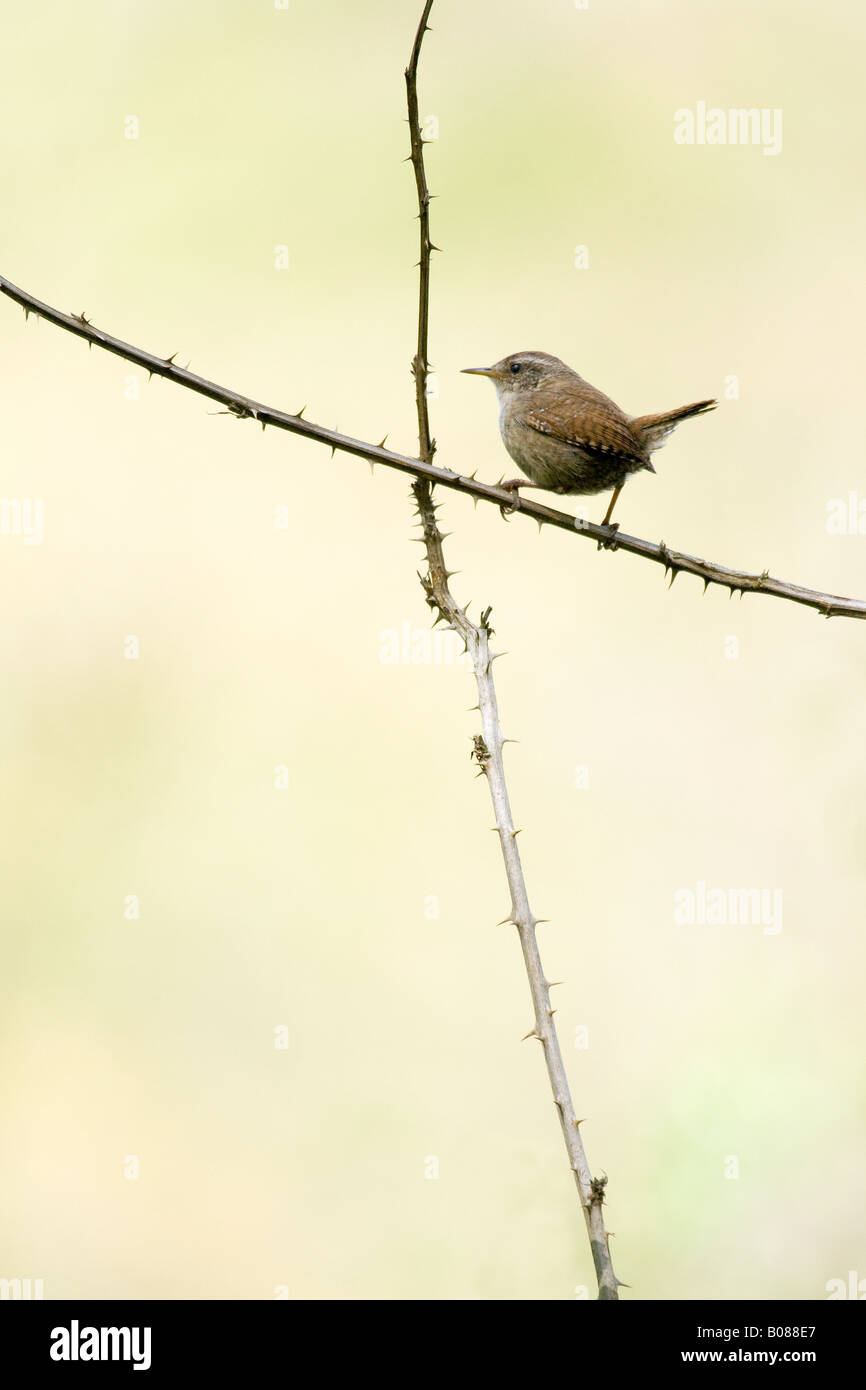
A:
(479, 371)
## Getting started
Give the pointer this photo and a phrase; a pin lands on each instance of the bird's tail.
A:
(653, 430)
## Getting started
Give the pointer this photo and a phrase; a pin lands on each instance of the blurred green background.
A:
(722, 740)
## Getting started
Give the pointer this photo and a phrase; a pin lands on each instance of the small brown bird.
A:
(566, 435)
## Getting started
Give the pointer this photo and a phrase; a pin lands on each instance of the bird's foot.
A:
(610, 542)
(513, 486)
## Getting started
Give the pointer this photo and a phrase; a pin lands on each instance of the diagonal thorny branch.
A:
(244, 408)
(487, 748)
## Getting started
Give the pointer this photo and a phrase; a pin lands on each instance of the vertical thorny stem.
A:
(427, 446)
(488, 745)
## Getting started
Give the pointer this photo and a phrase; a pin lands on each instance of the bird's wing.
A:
(598, 432)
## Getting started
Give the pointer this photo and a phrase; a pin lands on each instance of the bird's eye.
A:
(515, 367)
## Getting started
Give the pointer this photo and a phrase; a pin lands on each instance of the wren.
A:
(566, 435)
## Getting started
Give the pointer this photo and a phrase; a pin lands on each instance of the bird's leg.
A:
(614, 525)
(512, 485)
(611, 505)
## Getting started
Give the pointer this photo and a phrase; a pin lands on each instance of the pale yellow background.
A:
(260, 647)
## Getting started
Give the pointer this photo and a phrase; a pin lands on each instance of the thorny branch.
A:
(487, 746)
(420, 364)
(244, 408)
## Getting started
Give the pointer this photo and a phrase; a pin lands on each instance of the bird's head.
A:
(522, 372)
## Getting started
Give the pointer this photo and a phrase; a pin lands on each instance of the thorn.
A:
(170, 360)
(506, 922)
(300, 413)
(533, 1034)
(382, 445)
